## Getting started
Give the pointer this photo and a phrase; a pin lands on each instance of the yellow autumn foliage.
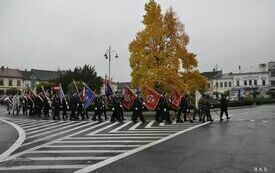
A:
(158, 55)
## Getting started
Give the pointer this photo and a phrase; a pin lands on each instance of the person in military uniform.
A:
(116, 109)
(104, 106)
(120, 97)
(24, 105)
(73, 106)
(224, 107)
(80, 109)
(200, 109)
(46, 107)
(97, 109)
(206, 110)
(159, 109)
(56, 108)
(137, 109)
(31, 105)
(64, 108)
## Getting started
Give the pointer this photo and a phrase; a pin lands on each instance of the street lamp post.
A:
(108, 55)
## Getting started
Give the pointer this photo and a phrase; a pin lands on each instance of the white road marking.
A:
(114, 137)
(37, 167)
(100, 130)
(33, 125)
(111, 141)
(264, 121)
(135, 126)
(79, 151)
(91, 146)
(135, 134)
(158, 128)
(149, 124)
(130, 152)
(54, 130)
(67, 158)
(161, 124)
(148, 131)
(120, 127)
(51, 127)
(18, 142)
(174, 122)
(54, 141)
(55, 134)
(252, 120)
(43, 126)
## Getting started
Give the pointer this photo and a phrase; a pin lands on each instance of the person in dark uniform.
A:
(120, 97)
(38, 101)
(224, 106)
(80, 109)
(200, 109)
(159, 109)
(104, 106)
(64, 108)
(31, 105)
(56, 108)
(137, 109)
(73, 107)
(46, 107)
(24, 105)
(116, 110)
(206, 110)
(97, 109)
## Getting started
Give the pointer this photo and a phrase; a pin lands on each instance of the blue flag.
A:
(89, 96)
(108, 89)
(61, 93)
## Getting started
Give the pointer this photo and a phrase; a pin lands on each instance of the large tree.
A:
(85, 74)
(159, 57)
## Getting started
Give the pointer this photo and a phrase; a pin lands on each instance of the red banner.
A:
(151, 98)
(128, 98)
(175, 98)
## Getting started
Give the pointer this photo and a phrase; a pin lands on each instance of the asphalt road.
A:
(246, 143)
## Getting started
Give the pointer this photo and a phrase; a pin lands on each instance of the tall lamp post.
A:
(108, 55)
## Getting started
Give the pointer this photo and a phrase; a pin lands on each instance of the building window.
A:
(255, 82)
(18, 83)
(10, 82)
(217, 84)
(245, 82)
(272, 83)
(238, 83)
(2, 92)
(229, 84)
(250, 82)
(27, 85)
(225, 84)
(273, 74)
(263, 82)
(221, 84)
(1, 82)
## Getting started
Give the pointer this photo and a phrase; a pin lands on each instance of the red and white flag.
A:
(151, 98)
(128, 98)
(175, 98)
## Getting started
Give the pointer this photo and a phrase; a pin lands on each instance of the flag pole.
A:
(76, 88)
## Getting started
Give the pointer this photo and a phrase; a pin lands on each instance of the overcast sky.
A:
(52, 34)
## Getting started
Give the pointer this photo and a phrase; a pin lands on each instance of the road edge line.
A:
(130, 152)
(21, 138)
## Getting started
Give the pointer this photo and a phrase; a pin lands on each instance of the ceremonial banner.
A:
(61, 93)
(128, 98)
(108, 89)
(197, 97)
(88, 96)
(151, 98)
(175, 98)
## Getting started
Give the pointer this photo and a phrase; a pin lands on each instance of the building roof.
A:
(10, 73)
(122, 85)
(226, 76)
(212, 74)
(26, 75)
(45, 75)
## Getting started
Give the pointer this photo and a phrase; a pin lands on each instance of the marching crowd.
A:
(72, 107)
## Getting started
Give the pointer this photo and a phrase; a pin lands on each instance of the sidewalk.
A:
(8, 136)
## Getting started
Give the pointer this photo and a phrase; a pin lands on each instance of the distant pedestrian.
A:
(224, 107)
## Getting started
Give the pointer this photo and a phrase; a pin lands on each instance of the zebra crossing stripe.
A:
(43, 126)
(115, 137)
(135, 126)
(66, 158)
(54, 130)
(134, 134)
(54, 141)
(149, 131)
(51, 127)
(37, 167)
(120, 127)
(79, 151)
(149, 124)
(111, 141)
(100, 130)
(56, 134)
(33, 125)
(90, 146)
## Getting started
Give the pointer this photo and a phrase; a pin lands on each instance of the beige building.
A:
(10, 78)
